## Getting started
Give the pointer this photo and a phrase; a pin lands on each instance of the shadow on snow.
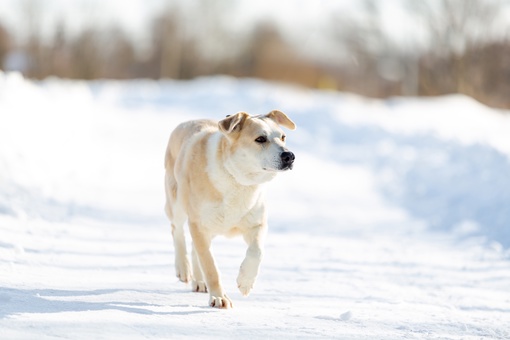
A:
(20, 301)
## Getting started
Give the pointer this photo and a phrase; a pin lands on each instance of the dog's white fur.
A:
(214, 172)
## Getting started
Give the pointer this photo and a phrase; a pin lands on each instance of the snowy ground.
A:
(394, 224)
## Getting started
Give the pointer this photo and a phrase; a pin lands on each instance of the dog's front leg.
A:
(250, 266)
(202, 244)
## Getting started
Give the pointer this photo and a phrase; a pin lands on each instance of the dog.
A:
(213, 179)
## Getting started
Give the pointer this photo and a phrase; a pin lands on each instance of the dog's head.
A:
(256, 146)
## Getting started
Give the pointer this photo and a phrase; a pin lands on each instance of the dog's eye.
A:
(261, 139)
(283, 138)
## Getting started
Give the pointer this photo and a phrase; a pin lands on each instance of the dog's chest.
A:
(238, 209)
(236, 205)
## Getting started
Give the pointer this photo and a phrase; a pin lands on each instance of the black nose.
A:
(287, 157)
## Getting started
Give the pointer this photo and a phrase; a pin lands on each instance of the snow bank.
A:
(71, 148)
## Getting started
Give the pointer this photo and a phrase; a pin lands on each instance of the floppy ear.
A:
(281, 119)
(233, 122)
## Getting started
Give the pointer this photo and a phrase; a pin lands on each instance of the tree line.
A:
(466, 54)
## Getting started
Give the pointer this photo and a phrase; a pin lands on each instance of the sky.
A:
(78, 14)
(294, 15)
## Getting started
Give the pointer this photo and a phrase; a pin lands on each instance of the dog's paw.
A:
(198, 286)
(183, 271)
(245, 284)
(222, 302)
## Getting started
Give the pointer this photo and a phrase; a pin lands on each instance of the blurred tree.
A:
(118, 55)
(85, 54)
(60, 58)
(5, 45)
(488, 67)
(168, 45)
(455, 28)
(463, 53)
(373, 63)
(33, 47)
(269, 56)
(173, 49)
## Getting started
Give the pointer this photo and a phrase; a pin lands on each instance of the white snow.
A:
(394, 224)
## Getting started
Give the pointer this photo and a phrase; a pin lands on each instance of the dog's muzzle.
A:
(287, 159)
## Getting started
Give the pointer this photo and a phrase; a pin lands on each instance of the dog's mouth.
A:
(281, 169)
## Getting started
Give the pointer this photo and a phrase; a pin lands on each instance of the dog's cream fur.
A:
(214, 172)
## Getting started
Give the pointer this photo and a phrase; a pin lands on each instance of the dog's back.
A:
(183, 133)
(179, 139)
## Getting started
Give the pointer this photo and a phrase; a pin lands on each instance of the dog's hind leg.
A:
(177, 217)
(198, 283)
(182, 265)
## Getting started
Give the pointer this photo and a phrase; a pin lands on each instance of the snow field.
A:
(394, 223)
